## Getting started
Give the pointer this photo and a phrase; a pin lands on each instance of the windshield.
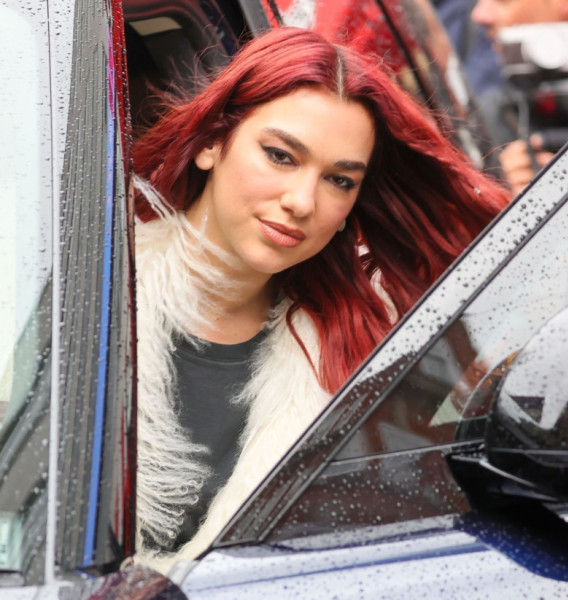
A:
(25, 264)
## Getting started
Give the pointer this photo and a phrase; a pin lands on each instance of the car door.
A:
(67, 457)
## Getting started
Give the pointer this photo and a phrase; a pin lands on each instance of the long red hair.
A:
(420, 204)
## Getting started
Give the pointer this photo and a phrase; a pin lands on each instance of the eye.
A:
(342, 182)
(278, 156)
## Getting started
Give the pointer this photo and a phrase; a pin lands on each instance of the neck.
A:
(235, 313)
(238, 316)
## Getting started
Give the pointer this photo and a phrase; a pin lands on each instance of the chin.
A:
(270, 269)
(269, 265)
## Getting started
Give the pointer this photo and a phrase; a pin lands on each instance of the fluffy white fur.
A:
(283, 395)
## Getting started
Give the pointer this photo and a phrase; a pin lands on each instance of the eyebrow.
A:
(296, 144)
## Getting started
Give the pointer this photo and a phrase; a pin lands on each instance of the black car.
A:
(438, 471)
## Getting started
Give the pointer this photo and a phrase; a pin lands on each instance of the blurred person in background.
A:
(471, 43)
(520, 158)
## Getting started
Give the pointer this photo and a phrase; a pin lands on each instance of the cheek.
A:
(335, 213)
(251, 180)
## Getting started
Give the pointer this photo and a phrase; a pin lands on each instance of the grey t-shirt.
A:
(207, 379)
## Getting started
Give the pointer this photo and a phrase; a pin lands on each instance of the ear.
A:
(207, 157)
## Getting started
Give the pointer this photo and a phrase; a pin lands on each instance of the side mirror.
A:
(527, 429)
(525, 454)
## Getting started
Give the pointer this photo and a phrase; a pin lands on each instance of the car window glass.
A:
(25, 268)
(25, 227)
(453, 381)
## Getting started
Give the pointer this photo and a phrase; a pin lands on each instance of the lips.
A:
(282, 235)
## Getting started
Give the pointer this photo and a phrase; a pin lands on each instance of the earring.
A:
(342, 226)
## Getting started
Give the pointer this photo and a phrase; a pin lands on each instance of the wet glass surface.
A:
(25, 272)
(25, 229)
(444, 387)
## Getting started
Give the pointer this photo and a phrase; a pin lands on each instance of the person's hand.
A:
(517, 165)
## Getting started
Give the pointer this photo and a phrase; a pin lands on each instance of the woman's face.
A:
(287, 181)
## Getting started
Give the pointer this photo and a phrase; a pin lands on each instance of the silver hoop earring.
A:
(342, 226)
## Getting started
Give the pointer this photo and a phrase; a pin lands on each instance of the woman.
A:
(288, 217)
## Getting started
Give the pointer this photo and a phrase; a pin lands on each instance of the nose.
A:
(483, 13)
(300, 197)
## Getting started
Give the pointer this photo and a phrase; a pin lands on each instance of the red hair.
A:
(420, 204)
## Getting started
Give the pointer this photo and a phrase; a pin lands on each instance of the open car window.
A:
(375, 415)
(377, 454)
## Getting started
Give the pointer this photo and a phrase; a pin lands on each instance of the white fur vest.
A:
(283, 396)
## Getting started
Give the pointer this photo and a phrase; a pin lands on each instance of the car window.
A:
(67, 454)
(445, 387)
(25, 271)
(25, 229)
